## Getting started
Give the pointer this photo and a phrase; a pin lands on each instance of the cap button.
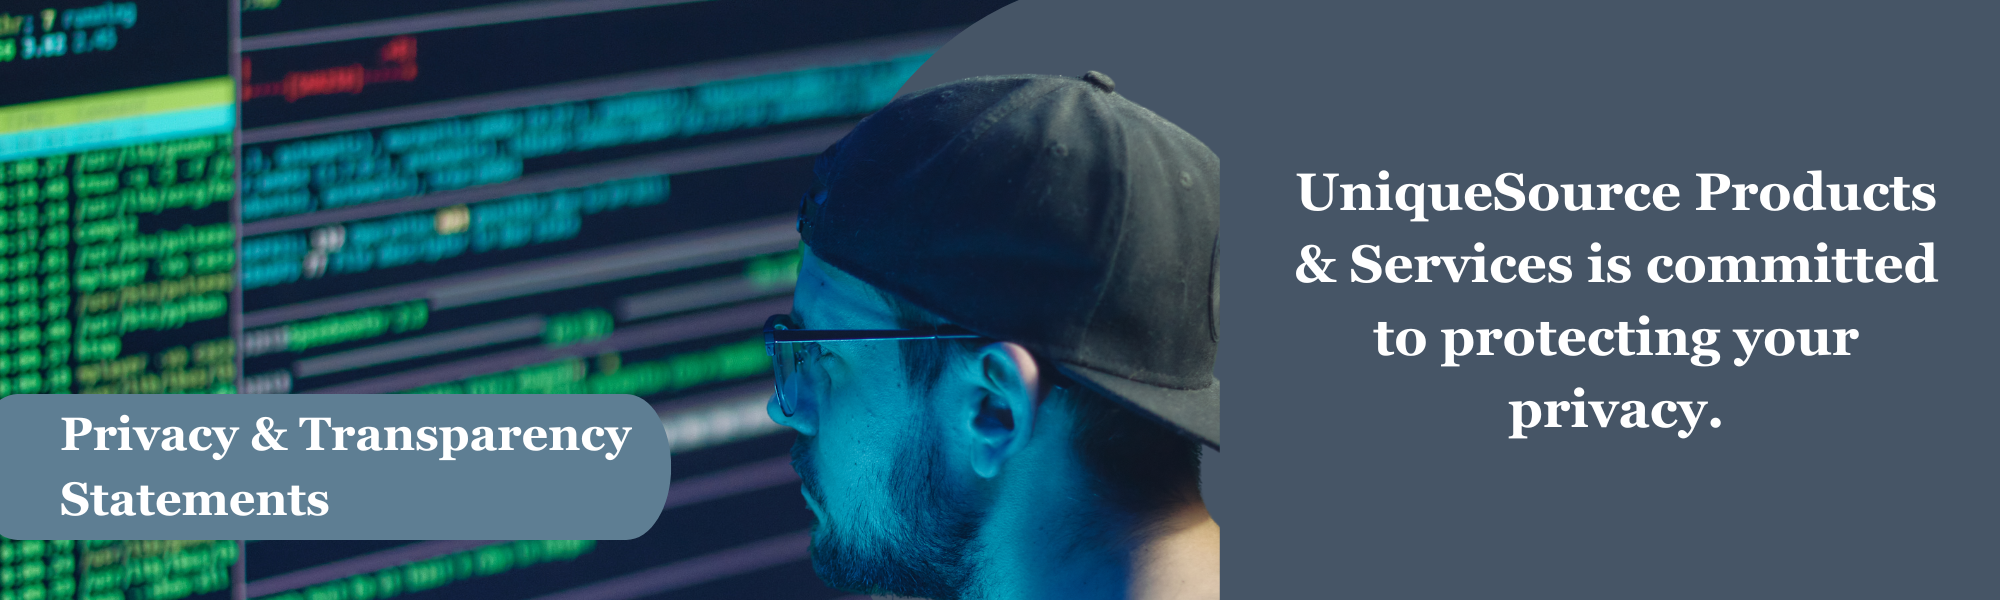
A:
(1102, 81)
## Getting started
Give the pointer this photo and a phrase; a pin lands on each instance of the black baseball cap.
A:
(1046, 211)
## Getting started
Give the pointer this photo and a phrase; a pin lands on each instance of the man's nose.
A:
(800, 420)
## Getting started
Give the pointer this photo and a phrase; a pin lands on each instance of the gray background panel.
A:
(1353, 474)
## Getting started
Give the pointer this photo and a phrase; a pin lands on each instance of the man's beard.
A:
(920, 550)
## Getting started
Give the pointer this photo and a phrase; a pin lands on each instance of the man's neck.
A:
(1072, 545)
(1182, 560)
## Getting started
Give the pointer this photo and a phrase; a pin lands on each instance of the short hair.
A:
(1138, 463)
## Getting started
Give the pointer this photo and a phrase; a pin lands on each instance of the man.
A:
(1000, 356)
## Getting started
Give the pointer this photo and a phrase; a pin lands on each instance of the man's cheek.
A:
(862, 479)
(837, 465)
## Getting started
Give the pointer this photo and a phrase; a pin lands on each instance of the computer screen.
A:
(557, 196)
(117, 249)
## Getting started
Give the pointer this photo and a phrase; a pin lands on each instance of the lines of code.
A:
(37, 569)
(52, 33)
(349, 326)
(113, 569)
(443, 570)
(349, 169)
(37, 285)
(155, 570)
(392, 325)
(395, 62)
(129, 244)
(606, 375)
(431, 236)
(81, 274)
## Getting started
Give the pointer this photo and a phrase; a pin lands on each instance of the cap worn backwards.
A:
(1047, 211)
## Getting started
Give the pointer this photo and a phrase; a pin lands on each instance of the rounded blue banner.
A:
(331, 466)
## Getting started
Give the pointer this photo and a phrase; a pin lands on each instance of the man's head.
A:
(1076, 234)
(904, 447)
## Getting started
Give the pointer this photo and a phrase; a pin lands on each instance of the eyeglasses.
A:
(793, 348)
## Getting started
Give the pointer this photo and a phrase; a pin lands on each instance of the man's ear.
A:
(1004, 419)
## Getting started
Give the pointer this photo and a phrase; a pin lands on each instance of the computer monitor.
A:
(574, 196)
